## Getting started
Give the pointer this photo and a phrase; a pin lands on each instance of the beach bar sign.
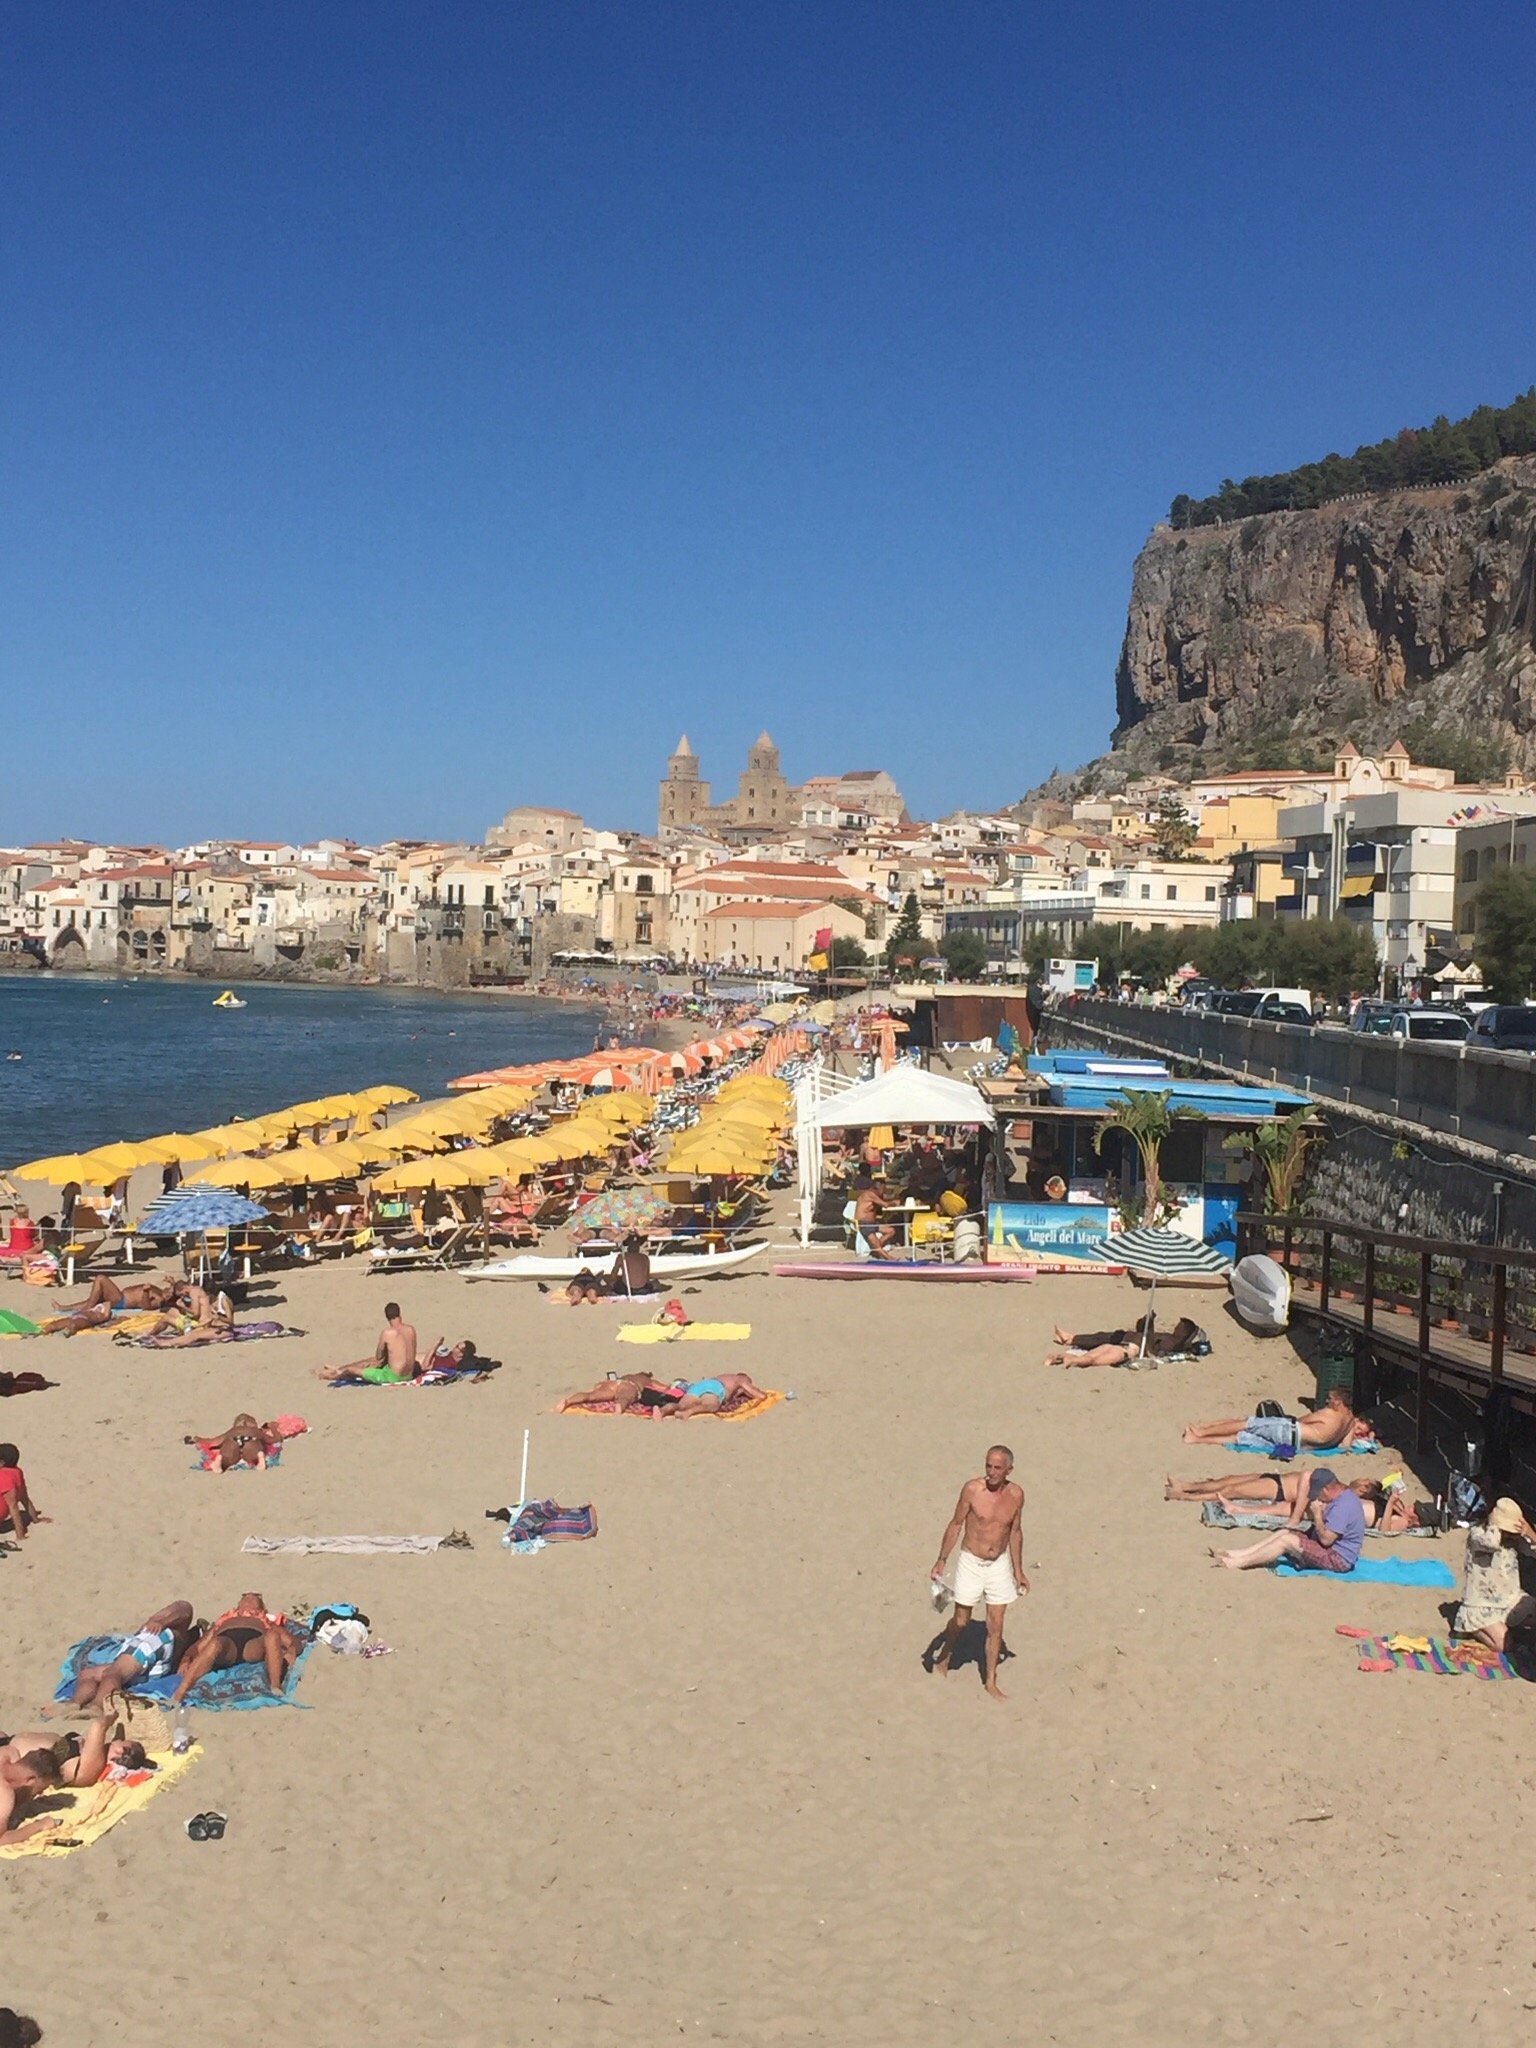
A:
(1060, 1229)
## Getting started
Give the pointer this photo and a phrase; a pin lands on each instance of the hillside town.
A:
(779, 878)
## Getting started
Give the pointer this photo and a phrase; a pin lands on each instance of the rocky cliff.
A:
(1278, 636)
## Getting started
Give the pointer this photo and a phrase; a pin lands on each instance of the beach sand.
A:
(690, 1781)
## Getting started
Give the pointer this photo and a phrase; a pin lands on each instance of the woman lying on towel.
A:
(630, 1393)
(1292, 1494)
(245, 1442)
(82, 1759)
(105, 1300)
(247, 1634)
(1123, 1347)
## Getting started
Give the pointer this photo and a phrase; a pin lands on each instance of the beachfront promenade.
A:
(690, 1778)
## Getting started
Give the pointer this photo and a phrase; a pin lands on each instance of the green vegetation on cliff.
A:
(1448, 452)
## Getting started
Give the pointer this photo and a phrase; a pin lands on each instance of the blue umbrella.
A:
(196, 1209)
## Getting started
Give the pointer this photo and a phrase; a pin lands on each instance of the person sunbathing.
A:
(708, 1397)
(245, 1442)
(1332, 1427)
(105, 1300)
(631, 1392)
(1292, 1494)
(152, 1651)
(1124, 1347)
(23, 1779)
(247, 1634)
(82, 1759)
(394, 1356)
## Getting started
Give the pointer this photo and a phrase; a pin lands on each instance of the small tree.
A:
(1281, 1149)
(905, 947)
(965, 955)
(1145, 1118)
(1173, 830)
(1506, 933)
(847, 953)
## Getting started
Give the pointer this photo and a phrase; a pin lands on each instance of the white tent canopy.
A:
(903, 1095)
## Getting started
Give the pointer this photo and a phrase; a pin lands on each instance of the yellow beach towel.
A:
(690, 1333)
(86, 1814)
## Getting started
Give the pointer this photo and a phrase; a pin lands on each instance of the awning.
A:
(903, 1095)
(1356, 887)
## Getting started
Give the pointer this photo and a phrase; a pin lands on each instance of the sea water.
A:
(103, 1058)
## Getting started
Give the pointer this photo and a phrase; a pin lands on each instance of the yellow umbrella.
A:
(110, 1162)
(178, 1147)
(240, 1172)
(512, 1162)
(450, 1171)
(383, 1097)
(64, 1166)
(716, 1161)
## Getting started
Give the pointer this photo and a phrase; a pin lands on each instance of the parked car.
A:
(1197, 995)
(1505, 1027)
(1241, 1002)
(1276, 1010)
(1371, 1015)
(1447, 1025)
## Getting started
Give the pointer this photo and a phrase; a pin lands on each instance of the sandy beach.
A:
(691, 1780)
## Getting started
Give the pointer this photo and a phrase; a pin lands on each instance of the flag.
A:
(822, 943)
(817, 963)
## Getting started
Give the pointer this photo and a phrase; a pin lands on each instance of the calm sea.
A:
(104, 1059)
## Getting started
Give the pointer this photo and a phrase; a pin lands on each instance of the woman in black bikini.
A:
(246, 1635)
(1290, 1492)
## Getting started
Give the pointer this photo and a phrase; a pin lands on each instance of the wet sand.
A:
(690, 1780)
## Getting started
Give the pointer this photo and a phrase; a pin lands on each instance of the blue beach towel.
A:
(1367, 1449)
(1382, 1571)
(241, 1689)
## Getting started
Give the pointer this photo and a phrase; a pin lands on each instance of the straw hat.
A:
(1505, 1516)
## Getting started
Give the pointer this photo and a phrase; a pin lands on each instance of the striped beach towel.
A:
(1440, 1655)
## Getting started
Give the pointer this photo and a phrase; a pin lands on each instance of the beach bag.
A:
(1271, 1410)
(40, 1271)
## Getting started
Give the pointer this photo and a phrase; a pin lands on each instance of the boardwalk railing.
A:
(1461, 1314)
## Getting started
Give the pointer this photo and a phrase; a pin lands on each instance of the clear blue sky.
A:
(411, 410)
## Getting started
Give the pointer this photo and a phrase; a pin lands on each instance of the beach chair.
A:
(450, 1249)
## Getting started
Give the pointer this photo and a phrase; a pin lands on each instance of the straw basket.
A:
(147, 1721)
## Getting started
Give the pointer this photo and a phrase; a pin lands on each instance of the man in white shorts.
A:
(990, 1570)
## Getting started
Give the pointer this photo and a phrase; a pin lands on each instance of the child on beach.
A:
(16, 1505)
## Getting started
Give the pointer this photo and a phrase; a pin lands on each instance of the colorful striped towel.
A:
(1442, 1656)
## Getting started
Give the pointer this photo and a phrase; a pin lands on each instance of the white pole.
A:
(522, 1484)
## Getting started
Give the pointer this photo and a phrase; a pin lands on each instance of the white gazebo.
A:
(903, 1094)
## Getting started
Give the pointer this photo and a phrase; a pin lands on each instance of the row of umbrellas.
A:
(105, 1164)
(737, 1131)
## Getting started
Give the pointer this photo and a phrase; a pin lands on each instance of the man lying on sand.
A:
(22, 1780)
(81, 1759)
(151, 1651)
(1333, 1427)
(1331, 1545)
(247, 1634)
(394, 1356)
(1123, 1347)
(105, 1300)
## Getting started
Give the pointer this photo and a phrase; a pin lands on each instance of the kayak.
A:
(702, 1265)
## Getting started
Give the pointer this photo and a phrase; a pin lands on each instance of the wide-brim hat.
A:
(1505, 1516)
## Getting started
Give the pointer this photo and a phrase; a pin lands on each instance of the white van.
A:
(1283, 1005)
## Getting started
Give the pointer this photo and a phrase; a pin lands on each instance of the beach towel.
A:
(86, 1812)
(241, 1689)
(1381, 1571)
(242, 1333)
(1366, 1448)
(1442, 1656)
(354, 1546)
(1215, 1516)
(435, 1376)
(687, 1333)
(541, 1520)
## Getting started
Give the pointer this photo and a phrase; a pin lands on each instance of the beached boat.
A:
(229, 1001)
(700, 1265)
(898, 1269)
(1261, 1294)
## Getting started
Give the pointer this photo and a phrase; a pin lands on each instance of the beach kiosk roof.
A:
(902, 1095)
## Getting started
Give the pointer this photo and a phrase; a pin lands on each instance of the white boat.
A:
(1261, 1294)
(229, 1001)
(700, 1265)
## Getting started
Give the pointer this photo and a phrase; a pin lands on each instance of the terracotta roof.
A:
(788, 911)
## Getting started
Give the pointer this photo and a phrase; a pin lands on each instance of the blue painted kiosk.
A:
(1057, 1192)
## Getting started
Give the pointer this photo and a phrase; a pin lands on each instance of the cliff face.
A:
(1344, 622)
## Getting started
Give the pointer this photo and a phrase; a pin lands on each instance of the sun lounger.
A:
(449, 1250)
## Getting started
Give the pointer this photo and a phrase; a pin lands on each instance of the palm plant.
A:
(1145, 1118)
(1281, 1149)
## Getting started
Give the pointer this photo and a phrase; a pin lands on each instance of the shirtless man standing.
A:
(991, 1566)
(394, 1356)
